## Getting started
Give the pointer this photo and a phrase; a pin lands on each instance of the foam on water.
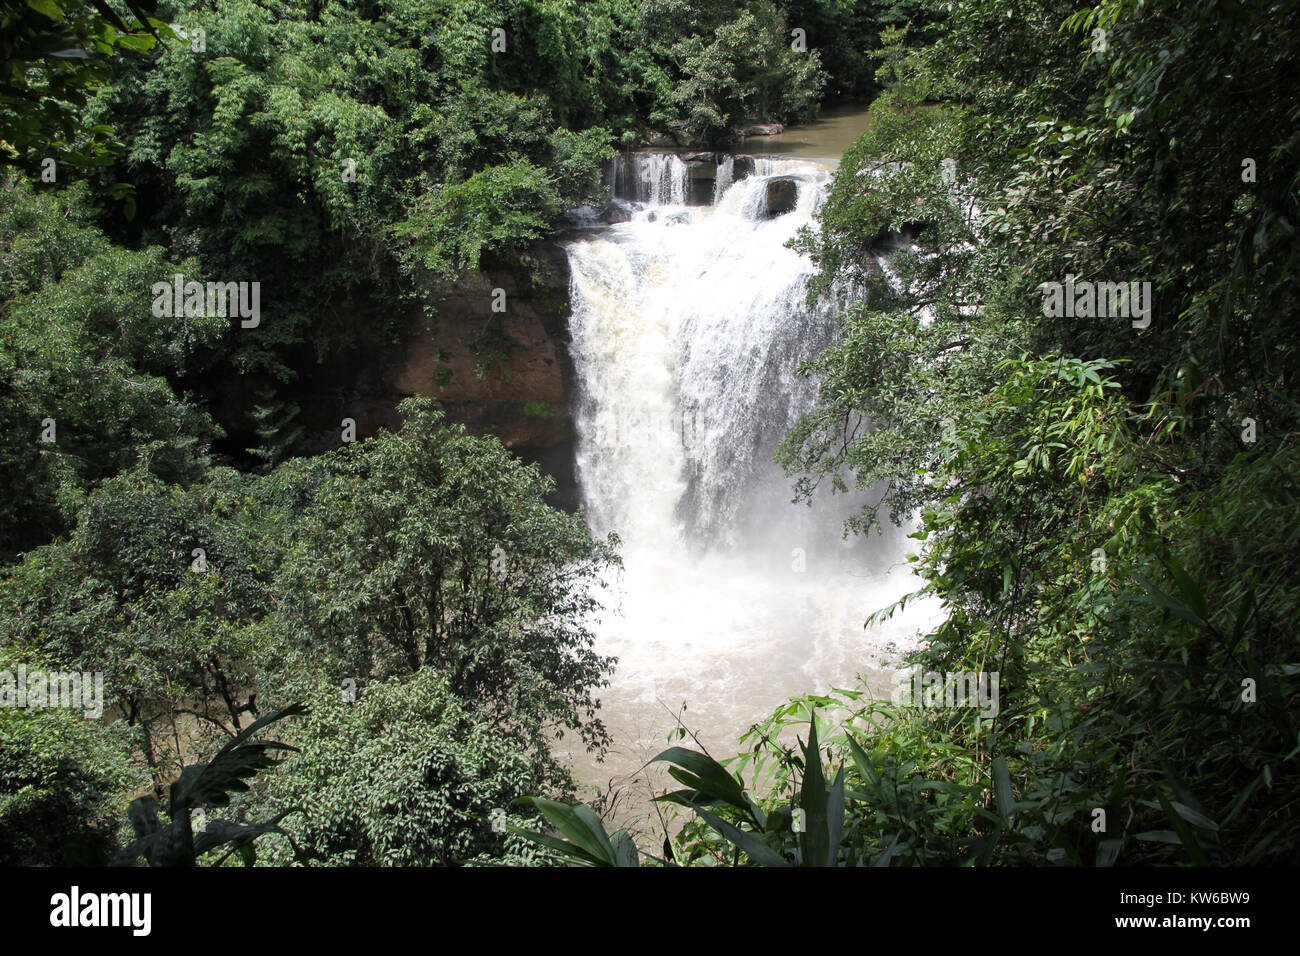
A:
(689, 325)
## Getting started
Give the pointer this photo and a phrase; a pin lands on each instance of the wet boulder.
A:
(782, 195)
(617, 211)
(700, 177)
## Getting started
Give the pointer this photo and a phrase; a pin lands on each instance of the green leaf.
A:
(581, 825)
(137, 42)
(990, 845)
(220, 832)
(814, 841)
(1161, 599)
(1108, 851)
(563, 848)
(835, 819)
(747, 843)
(1185, 834)
(1187, 587)
(1006, 799)
(211, 783)
(1192, 816)
(47, 7)
(625, 853)
(708, 780)
(863, 762)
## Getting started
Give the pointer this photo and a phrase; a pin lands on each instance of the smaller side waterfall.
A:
(658, 179)
(726, 175)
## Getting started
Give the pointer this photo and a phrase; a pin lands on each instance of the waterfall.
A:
(726, 175)
(687, 337)
(658, 179)
(688, 329)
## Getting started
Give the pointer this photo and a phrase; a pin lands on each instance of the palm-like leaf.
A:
(207, 784)
(210, 784)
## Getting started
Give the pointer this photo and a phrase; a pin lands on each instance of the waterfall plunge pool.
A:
(689, 324)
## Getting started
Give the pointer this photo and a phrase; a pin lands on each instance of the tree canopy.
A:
(1106, 491)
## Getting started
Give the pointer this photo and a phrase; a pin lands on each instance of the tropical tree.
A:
(429, 547)
(54, 55)
(400, 773)
(203, 786)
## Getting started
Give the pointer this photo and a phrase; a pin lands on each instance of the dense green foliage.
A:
(209, 785)
(407, 775)
(197, 601)
(350, 157)
(88, 375)
(432, 548)
(63, 781)
(54, 54)
(738, 68)
(1106, 505)
(1100, 521)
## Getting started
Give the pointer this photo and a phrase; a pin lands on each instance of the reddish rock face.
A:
(503, 372)
(442, 361)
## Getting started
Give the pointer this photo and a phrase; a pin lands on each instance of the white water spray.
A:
(688, 328)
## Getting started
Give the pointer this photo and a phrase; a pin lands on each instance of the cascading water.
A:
(659, 179)
(725, 176)
(688, 328)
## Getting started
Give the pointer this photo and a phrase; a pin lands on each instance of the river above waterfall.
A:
(823, 141)
(689, 325)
